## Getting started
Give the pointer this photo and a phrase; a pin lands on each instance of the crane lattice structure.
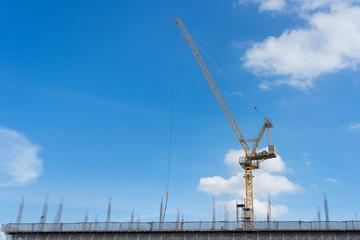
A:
(252, 158)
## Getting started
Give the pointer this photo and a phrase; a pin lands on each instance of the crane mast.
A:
(252, 159)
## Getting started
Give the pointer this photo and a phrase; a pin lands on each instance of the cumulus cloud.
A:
(217, 185)
(264, 185)
(329, 42)
(262, 208)
(267, 182)
(19, 160)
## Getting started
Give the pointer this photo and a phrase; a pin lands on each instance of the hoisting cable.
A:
(171, 127)
(231, 82)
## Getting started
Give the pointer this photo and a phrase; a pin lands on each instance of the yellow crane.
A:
(252, 158)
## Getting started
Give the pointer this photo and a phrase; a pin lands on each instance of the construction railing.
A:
(181, 226)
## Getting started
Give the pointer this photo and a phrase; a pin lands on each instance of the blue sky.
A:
(85, 106)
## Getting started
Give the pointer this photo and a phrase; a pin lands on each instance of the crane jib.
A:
(214, 87)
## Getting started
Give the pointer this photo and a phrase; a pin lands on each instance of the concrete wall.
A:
(261, 235)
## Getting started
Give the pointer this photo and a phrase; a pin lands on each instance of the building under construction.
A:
(224, 230)
(180, 229)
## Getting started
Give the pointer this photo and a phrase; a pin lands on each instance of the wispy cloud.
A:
(265, 86)
(19, 160)
(332, 180)
(330, 42)
(267, 5)
(353, 127)
(272, 5)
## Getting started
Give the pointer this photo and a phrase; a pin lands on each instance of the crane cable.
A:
(171, 127)
(229, 80)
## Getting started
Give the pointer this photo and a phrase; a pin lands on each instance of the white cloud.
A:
(232, 159)
(265, 182)
(308, 163)
(330, 42)
(265, 86)
(273, 165)
(331, 180)
(355, 126)
(313, 5)
(314, 186)
(264, 185)
(273, 5)
(267, 5)
(262, 209)
(217, 185)
(19, 160)
(299, 6)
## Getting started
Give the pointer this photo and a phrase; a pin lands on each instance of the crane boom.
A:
(214, 88)
(252, 158)
(267, 125)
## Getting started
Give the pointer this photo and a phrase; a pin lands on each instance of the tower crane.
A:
(252, 158)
